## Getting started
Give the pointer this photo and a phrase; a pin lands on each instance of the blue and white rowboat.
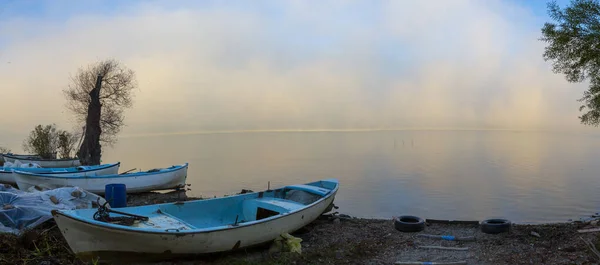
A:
(196, 227)
(7, 174)
(155, 179)
(52, 163)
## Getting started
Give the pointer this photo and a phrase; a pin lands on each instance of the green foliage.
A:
(47, 141)
(4, 150)
(66, 143)
(42, 141)
(573, 46)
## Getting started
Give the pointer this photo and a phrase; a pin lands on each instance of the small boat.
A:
(7, 173)
(19, 156)
(49, 163)
(23, 156)
(155, 179)
(195, 227)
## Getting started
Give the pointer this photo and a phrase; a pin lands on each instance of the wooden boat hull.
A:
(47, 163)
(7, 175)
(91, 240)
(17, 156)
(135, 182)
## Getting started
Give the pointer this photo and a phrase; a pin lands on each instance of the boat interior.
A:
(57, 170)
(156, 170)
(224, 212)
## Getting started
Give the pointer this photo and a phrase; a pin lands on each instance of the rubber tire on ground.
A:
(495, 226)
(409, 223)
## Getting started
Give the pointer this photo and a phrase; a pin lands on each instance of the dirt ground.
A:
(367, 241)
(333, 240)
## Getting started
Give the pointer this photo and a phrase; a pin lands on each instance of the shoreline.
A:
(337, 239)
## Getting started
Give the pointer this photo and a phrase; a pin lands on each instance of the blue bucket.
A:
(116, 195)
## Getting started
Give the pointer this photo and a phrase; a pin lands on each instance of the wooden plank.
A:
(448, 237)
(444, 248)
(430, 263)
(588, 230)
(462, 222)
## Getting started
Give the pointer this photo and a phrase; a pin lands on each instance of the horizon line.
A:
(319, 131)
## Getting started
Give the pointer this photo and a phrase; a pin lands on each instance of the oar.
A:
(127, 171)
(139, 217)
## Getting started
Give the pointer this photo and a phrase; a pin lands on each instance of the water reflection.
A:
(528, 177)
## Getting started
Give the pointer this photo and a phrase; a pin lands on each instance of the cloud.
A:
(294, 65)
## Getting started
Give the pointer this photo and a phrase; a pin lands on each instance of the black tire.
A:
(495, 226)
(409, 223)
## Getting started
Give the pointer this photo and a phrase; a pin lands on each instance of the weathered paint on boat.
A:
(7, 174)
(15, 155)
(158, 179)
(197, 227)
(23, 156)
(48, 163)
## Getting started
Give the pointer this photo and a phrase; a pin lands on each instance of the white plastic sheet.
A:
(18, 164)
(20, 210)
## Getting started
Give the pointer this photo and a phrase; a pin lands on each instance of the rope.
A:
(103, 215)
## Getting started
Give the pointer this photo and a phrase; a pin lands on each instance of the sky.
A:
(205, 66)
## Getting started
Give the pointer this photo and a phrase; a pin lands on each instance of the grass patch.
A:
(43, 245)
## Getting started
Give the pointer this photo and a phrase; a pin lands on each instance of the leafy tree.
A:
(47, 141)
(42, 141)
(4, 150)
(573, 46)
(116, 95)
(66, 143)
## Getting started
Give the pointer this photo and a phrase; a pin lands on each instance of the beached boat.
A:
(7, 173)
(19, 156)
(196, 227)
(155, 179)
(48, 163)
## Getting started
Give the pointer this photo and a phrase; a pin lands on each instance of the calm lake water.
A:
(524, 176)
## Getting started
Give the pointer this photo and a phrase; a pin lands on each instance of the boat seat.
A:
(275, 204)
(308, 188)
(161, 216)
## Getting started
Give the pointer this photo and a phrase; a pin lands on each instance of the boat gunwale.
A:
(198, 230)
(99, 167)
(128, 175)
(40, 159)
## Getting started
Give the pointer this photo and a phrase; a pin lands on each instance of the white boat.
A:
(15, 155)
(7, 173)
(155, 179)
(196, 227)
(23, 156)
(48, 163)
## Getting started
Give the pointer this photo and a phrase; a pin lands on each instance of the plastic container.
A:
(116, 195)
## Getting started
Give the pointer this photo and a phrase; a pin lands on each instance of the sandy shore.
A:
(350, 241)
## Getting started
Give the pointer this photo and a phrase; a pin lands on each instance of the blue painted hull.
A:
(203, 226)
(7, 173)
(159, 179)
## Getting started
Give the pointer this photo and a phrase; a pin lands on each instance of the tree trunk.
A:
(91, 150)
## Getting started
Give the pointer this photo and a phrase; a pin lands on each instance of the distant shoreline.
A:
(352, 131)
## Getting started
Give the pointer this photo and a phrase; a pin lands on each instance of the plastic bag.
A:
(21, 210)
(18, 164)
(30, 165)
(287, 242)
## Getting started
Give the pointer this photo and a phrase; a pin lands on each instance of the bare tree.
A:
(90, 150)
(115, 96)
